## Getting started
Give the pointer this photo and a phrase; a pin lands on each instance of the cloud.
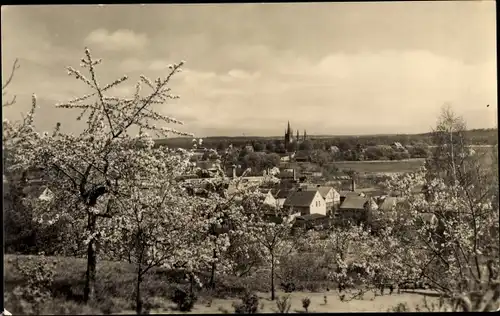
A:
(116, 41)
(131, 64)
(388, 91)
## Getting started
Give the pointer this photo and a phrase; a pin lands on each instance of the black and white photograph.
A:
(242, 158)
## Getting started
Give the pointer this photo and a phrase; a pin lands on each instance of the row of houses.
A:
(308, 202)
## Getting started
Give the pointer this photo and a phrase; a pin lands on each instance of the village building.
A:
(328, 193)
(289, 138)
(344, 194)
(249, 148)
(268, 198)
(280, 195)
(305, 202)
(387, 203)
(355, 209)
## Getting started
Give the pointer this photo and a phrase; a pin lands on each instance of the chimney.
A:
(353, 184)
(293, 173)
(233, 167)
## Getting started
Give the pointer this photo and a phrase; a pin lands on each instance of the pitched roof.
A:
(300, 198)
(282, 193)
(354, 202)
(388, 203)
(323, 190)
(264, 191)
(350, 193)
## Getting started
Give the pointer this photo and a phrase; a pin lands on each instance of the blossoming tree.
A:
(454, 249)
(84, 171)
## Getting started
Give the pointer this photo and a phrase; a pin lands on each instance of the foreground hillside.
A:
(116, 285)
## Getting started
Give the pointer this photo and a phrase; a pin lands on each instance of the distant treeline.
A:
(487, 136)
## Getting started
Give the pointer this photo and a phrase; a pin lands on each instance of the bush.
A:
(288, 287)
(249, 304)
(303, 272)
(38, 276)
(283, 303)
(184, 300)
(306, 301)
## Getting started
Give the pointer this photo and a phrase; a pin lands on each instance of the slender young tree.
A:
(450, 145)
(272, 230)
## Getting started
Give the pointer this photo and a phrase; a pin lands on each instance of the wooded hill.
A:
(486, 136)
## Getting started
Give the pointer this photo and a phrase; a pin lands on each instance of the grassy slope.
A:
(115, 283)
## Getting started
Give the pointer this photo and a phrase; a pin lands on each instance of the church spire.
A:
(305, 134)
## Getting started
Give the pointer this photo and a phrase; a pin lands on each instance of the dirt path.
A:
(368, 304)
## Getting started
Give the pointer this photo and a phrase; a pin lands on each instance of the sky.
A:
(340, 68)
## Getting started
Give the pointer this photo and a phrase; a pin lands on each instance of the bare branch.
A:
(7, 83)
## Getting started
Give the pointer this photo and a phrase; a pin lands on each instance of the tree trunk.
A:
(89, 290)
(191, 283)
(214, 266)
(272, 277)
(452, 154)
(138, 301)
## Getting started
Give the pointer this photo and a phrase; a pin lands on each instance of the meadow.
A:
(381, 166)
(116, 285)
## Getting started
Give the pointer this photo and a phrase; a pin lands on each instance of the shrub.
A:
(59, 307)
(400, 308)
(35, 291)
(184, 300)
(306, 301)
(283, 303)
(288, 287)
(249, 304)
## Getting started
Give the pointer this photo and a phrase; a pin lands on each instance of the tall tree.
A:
(85, 170)
(450, 149)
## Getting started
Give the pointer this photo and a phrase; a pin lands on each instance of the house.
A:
(397, 146)
(280, 195)
(249, 148)
(285, 158)
(329, 194)
(344, 194)
(372, 192)
(334, 149)
(302, 156)
(355, 209)
(287, 174)
(305, 202)
(268, 197)
(387, 203)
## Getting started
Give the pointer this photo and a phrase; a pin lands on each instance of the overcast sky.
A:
(330, 68)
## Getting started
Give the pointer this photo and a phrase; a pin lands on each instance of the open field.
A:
(115, 289)
(382, 166)
(485, 153)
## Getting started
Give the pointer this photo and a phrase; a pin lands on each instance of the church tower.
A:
(305, 135)
(288, 134)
